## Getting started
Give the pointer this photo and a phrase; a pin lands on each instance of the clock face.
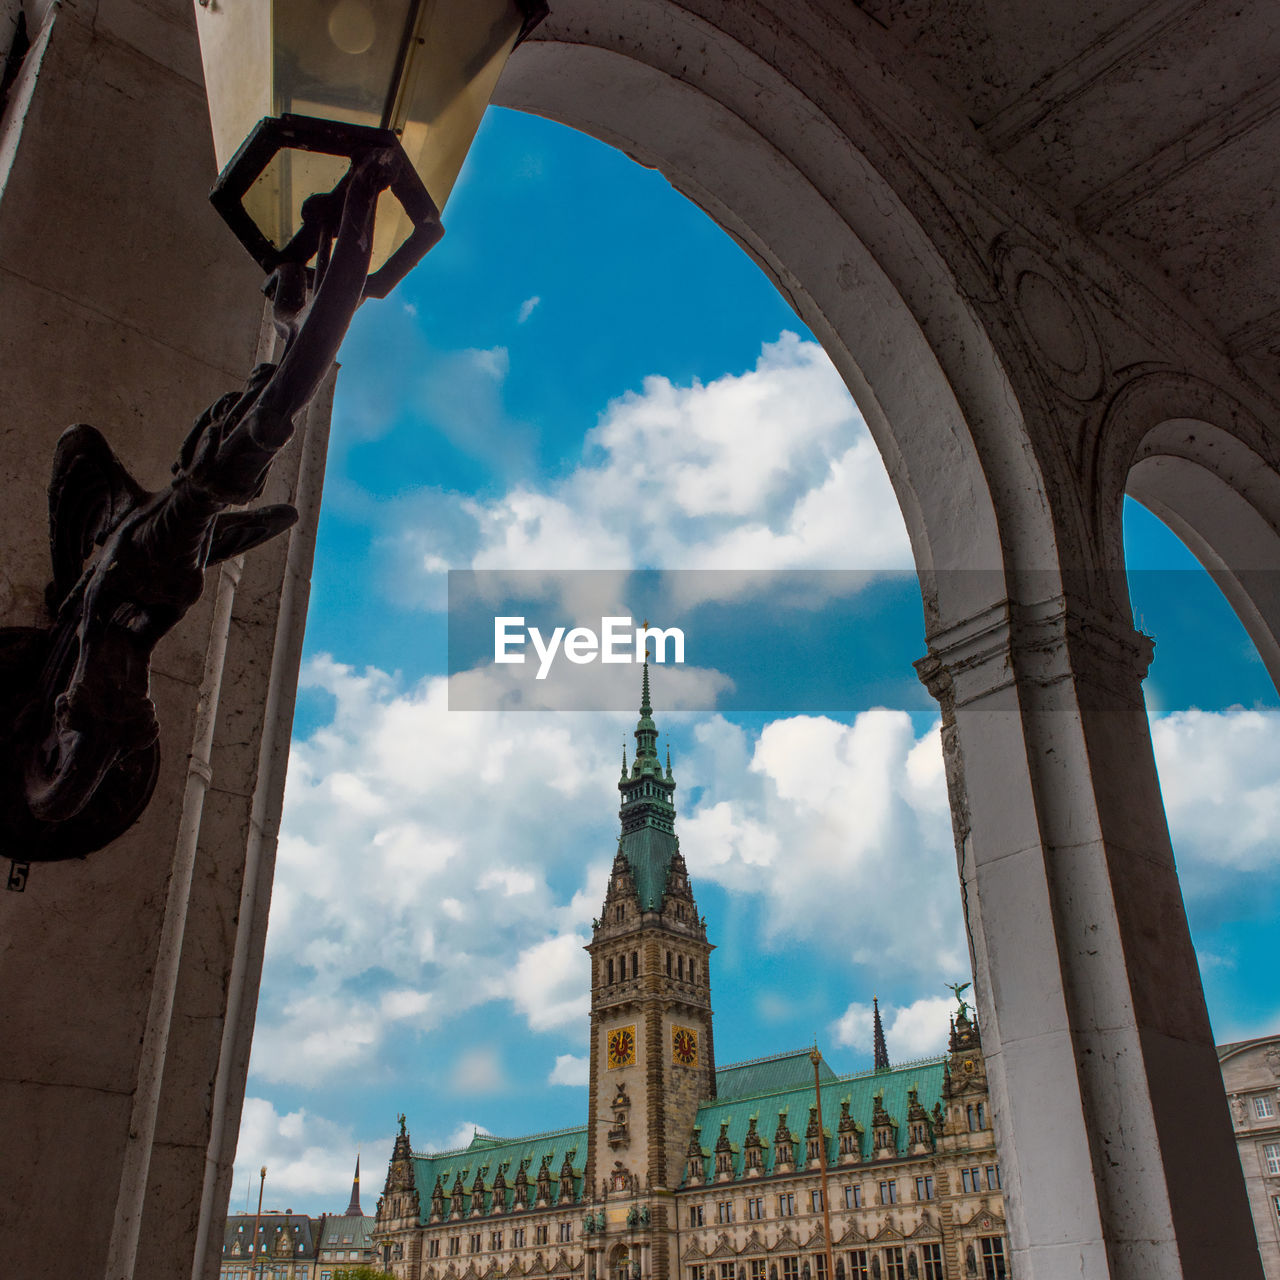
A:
(622, 1047)
(684, 1046)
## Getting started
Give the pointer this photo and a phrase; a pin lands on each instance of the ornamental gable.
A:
(985, 1220)
(723, 1248)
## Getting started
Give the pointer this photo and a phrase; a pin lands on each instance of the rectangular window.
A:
(724, 1211)
(791, 1268)
(1275, 1200)
(924, 1187)
(895, 1267)
(931, 1255)
(517, 1237)
(1271, 1154)
(993, 1177)
(1262, 1107)
(566, 1232)
(495, 1240)
(475, 1243)
(787, 1205)
(326, 1275)
(698, 1271)
(695, 1215)
(540, 1234)
(726, 1271)
(815, 1201)
(993, 1267)
(759, 1269)
(755, 1208)
(970, 1180)
(853, 1197)
(819, 1270)
(433, 1248)
(858, 1268)
(455, 1246)
(889, 1191)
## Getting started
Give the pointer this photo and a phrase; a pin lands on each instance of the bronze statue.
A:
(958, 989)
(81, 761)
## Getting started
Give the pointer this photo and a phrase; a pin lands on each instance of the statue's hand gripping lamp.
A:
(341, 126)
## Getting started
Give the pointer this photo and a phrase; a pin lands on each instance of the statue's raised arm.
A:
(81, 764)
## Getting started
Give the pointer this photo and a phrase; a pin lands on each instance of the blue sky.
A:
(586, 373)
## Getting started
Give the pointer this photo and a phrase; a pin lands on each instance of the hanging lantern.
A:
(298, 88)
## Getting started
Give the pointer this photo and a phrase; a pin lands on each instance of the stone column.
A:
(127, 304)
(1108, 1107)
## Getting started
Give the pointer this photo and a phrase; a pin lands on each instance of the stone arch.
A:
(844, 199)
(1204, 463)
(837, 238)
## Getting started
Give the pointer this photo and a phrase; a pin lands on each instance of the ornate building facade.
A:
(686, 1171)
(1251, 1078)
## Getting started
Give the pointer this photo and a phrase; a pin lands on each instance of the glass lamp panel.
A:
(458, 51)
(235, 47)
(338, 59)
(425, 68)
(274, 201)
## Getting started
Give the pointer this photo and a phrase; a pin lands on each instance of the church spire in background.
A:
(881, 1049)
(353, 1209)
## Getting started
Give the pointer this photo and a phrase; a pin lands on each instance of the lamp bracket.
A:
(274, 134)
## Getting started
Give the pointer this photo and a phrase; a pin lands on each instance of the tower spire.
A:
(648, 812)
(353, 1209)
(881, 1049)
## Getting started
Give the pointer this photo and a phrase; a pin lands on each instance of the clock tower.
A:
(652, 1059)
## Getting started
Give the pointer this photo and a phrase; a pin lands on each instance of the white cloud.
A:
(551, 982)
(411, 884)
(1220, 776)
(772, 469)
(307, 1157)
(527, 308)
(842, 829)
(570, 1069)
(911, 1031)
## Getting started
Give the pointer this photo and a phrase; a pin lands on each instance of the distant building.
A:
(284, 1248)
(290, 1246)
(686, 1171)
(1251, 1077)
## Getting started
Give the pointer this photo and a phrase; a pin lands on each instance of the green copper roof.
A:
(648, 812)
(767, 1075)
(489, 1153)
(648, 853)
(859, 1090)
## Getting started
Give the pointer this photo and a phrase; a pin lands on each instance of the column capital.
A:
(1051, 641)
